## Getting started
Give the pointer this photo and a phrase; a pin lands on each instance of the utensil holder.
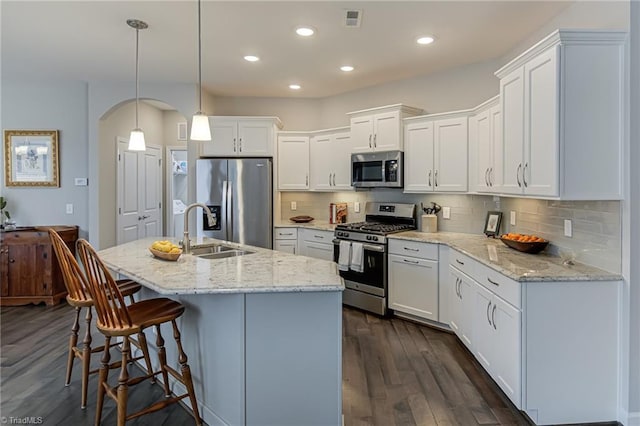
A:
(429, 223)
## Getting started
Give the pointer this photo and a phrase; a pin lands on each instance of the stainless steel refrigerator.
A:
(239, 192)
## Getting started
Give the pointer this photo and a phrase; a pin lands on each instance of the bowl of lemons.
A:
(524, 243)
(165, 250)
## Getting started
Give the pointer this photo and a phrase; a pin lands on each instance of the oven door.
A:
(373, 278)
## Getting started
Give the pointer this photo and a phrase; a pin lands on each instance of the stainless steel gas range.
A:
(364, 267)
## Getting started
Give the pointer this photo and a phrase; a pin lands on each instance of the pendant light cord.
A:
(137, 32)
(199, 60)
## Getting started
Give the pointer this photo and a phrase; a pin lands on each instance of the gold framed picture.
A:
(31, 158)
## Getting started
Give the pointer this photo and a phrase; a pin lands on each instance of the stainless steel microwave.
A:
(377, 170)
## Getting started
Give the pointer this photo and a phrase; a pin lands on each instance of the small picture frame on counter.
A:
(492, 224)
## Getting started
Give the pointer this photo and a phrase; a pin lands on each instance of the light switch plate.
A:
(512, 218)
(356, 207)
(69, 208)
(446, 212)
(568, 228)
(294, 205)
(80, 181)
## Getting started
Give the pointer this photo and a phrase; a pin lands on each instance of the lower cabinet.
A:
(316, 243)
(461, 295)
(286, 240)
(413, 278)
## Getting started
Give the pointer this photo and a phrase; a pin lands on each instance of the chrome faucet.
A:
(186, 243)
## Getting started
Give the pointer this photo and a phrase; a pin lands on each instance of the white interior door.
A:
(139, 192)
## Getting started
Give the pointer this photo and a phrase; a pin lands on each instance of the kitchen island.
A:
(262, 331)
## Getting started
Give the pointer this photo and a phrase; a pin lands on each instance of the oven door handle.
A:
(368, 247)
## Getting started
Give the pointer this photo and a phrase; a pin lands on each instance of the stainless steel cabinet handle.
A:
(460, 262)
(524, 174)
(518, 175)
(493, 317)
(411, 249)
(288, 233)
(490, 173)
(307, 180)
(488, 309)
(486, 179)
(329, 179)
(493, 282)
(435, 178)
(375, 138)
(458, 283)
(318, 236)
(240, 145)
(370, 142)
(334, 179)
(234, 144)
(410, 261)
(429, 177)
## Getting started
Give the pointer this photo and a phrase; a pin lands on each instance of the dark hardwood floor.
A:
(395, 372)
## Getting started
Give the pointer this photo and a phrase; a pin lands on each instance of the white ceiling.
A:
(90, 40)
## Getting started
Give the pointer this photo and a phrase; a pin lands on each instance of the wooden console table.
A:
(29, 270)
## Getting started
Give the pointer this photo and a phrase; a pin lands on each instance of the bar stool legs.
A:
(186, 373)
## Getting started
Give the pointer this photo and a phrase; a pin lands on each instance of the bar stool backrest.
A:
(74, 278)
(107, 298)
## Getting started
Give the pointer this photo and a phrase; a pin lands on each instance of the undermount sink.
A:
(217, 251)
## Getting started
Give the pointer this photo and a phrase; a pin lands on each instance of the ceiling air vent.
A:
(352, 18)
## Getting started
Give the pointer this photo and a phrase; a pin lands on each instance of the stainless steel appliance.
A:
(377, 170)
(239, 193)
(368, 289)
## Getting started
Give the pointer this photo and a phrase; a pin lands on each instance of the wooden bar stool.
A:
(78, 296)
(116, 319)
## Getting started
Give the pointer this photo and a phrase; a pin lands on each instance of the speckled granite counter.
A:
(261, 272)
(315, 224)
(515, 265)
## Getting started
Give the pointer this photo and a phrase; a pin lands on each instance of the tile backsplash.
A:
(597, 229)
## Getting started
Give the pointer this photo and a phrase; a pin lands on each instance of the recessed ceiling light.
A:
(305, 31)
(294, 86)
(346, 68)
(251, 58)
(425, 40)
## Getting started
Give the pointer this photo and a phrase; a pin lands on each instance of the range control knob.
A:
(374, 238)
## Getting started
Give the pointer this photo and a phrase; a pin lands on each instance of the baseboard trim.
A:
(633, 419)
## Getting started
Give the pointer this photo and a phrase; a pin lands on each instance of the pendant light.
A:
(136, 139)
(200, 130)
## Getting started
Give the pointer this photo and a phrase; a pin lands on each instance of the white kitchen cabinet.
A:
(436, 148)
(293, 162)
(240, 136)
(413, 278)
(286, 240)
(379, 129)
(485, 146)
(461, 300)
(562, 103)
(330, 169)
(316, 243)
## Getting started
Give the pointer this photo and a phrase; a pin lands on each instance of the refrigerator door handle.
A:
(229, 204)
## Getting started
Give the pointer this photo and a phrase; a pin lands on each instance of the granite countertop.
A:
(314, 224)
(265, 271)
(512, 263)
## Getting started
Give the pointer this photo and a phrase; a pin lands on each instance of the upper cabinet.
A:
(241, 137)
(293, 161)
(436, 153)
(379, 129)
(485, 146)
(562, 107)
(330, 169)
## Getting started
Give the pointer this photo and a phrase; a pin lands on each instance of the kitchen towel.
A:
(357, 257)
(344, 257)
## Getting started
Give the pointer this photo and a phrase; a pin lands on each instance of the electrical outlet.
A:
(512, 218)
(356, 207)
(69, 208)
(446, 212)
(568, 228)
(294, 205)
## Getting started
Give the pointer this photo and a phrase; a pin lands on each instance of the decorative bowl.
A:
(526, 246)
(301, 219)
(165, 255)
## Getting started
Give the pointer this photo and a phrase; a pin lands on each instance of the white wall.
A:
(63, 107)
(295, 113)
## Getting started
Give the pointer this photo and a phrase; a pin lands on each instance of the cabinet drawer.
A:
(286, 233)
(318, 236)
(502, 286)
(413, 249)
(463, 263)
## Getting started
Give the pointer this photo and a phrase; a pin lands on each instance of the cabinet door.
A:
(495, 169)
(341, 148)
(255, 138)
(541, 143)
(418, 158)
(287, 246)
(4, 270)
(224, 135)
(512, 105)
(362, 133)
(483, 331)
(506, 321)
(413, 286)
(387, 135)
(319, 250)
(450, 155)
(461, 299)
(455, 303)
(293, 162)
(480, 151)
(321, 168)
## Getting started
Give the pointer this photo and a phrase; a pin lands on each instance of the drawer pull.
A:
(493, 282)
(493, 317)
(410, 261)
(460, 262)
(290, 233)
(411, 249)
(488, 310)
